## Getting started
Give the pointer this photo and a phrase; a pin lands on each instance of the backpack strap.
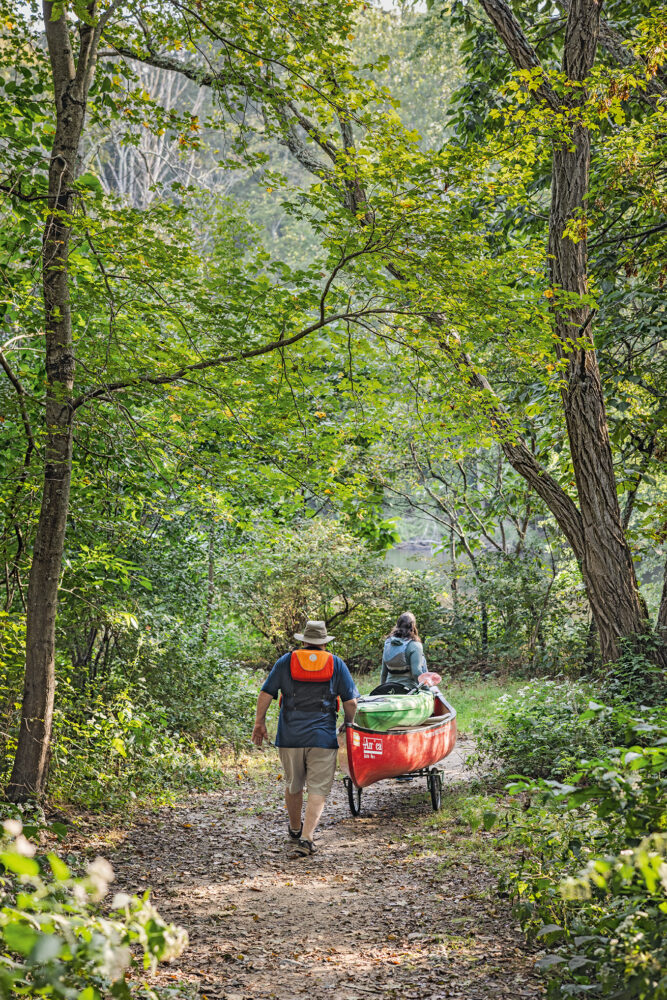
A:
(328, 702)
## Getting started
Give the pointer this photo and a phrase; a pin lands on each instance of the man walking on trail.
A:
(310, 680)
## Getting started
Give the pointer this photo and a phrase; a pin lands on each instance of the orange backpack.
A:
(311, 665)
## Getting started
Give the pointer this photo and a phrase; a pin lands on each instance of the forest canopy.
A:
(333, 310)
(317, 277)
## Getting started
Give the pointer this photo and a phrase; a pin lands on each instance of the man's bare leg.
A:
(294, 803)
(314, 807)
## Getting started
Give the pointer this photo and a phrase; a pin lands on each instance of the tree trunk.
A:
(210, 589)
(661, 624)
(484, 611)
(454, 573)
(597, 534)
(71, 85)
(606, 561)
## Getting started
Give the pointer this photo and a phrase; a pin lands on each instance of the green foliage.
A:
(539, 730)
(57, 941)
(109, 752)
(635, 677)
(203, 696)
(130, 744)
(593, 885)
(319, 570)
(191, 458)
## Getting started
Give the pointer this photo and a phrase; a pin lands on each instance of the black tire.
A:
(353, 797)
(435, 788)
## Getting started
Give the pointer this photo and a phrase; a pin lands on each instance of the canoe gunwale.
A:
(399, 731)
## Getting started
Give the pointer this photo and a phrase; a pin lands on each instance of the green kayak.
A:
(384, 711)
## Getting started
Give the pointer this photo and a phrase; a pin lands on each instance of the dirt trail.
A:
(373, 914)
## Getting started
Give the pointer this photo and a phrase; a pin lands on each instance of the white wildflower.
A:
(120, 901)
(662, 871)
(102, 869)
(23, 846)
(79, 892)
(115, 960)
(100, 873)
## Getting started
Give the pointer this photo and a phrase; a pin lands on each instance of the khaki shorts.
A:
(313, 767)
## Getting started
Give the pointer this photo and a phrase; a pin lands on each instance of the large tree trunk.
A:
(71, 85)
(600, 543)
(606, 562)
(661, 624)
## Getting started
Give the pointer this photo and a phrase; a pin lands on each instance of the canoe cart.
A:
(366, 756)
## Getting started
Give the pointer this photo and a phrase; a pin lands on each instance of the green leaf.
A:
(19, 864)
(549, 929)
(549, 960)
(90, 993)
(58, 867)
(91, 182)
(488, 819)
(20, 936)
(48, 947)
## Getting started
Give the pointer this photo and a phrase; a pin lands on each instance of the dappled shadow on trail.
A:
(376, 912)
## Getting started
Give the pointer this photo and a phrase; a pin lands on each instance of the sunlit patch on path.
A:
(372, 914)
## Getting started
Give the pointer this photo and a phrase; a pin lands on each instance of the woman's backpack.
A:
(395, 655)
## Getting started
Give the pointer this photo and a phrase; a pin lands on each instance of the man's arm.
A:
(350, 707)
(259, 733)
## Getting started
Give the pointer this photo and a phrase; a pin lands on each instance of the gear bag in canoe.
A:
(381, 712)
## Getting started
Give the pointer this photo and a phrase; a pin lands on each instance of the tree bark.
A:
(602, 550)
(71, 83)
(454, 573)
(606, 563)
(661, 624)
(210, 587)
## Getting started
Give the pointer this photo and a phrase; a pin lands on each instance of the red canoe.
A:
(367, 757)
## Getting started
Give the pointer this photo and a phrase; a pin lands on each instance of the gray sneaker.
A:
(302, 848)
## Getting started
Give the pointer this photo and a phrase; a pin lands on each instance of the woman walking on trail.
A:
(403, 657)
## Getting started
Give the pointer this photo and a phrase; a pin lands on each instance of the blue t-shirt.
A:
(308, 729)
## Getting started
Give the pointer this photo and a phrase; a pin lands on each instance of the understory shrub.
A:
(518, 614)
(203, 696)
(147, 728)
(635, 676)
(593, 884)
(319, 570)
(121, 744)
(57, 941)
(539, 730)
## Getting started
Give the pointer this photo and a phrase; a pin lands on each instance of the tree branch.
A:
(519, 48)
(4, 364)
(226, 359)
(616, 46)
(516, 451)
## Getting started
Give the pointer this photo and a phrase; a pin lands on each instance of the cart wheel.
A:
(435, 788)
(353, 797)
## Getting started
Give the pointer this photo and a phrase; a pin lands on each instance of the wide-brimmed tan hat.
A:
(314, 633)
